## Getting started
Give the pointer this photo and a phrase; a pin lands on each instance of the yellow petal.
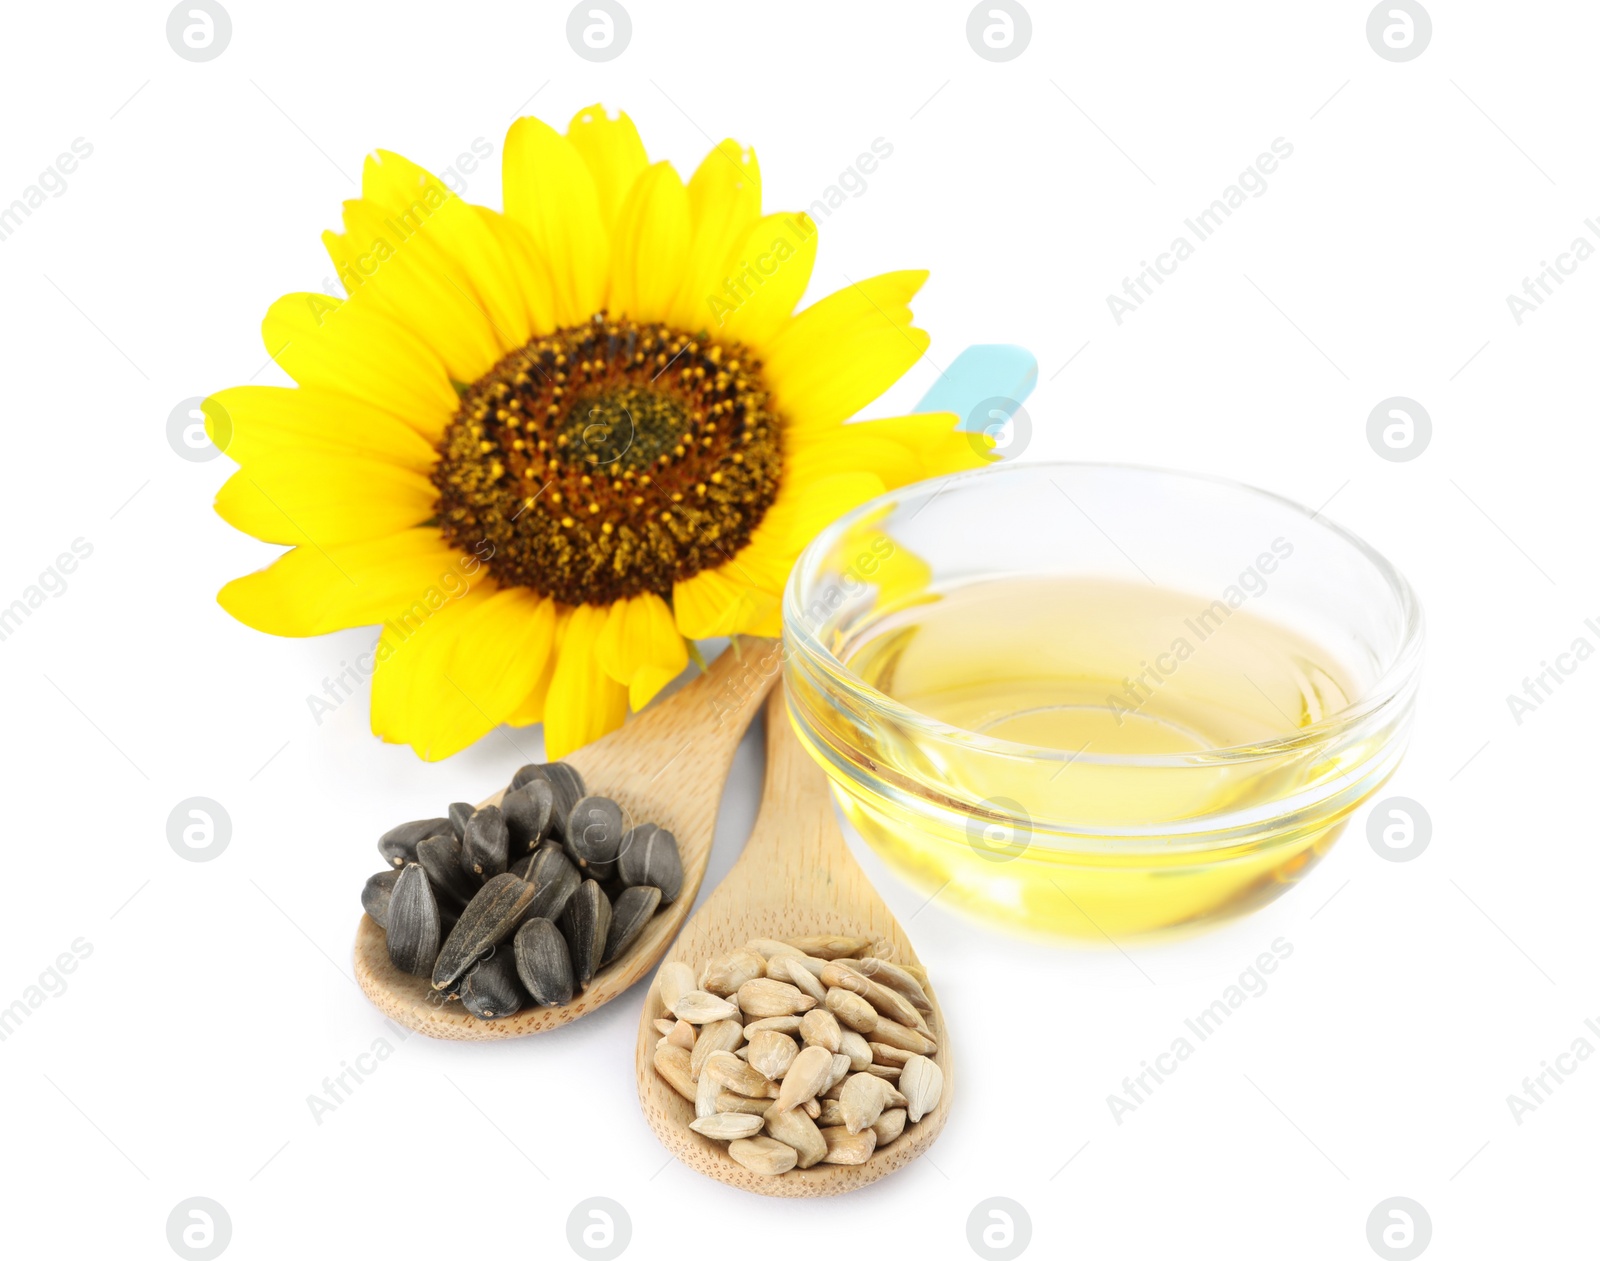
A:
(719, 602)
(641, 647)
(801, 509)
(526, 268)
(407, 577)
(584, 702)
(765, 278)
(350, 348)
(531, 709)
(402, 653)
(255, 422)
(899, 449)
(650, 246)
(468, 671)
(839, 354)
(724, 200)
(549, 191)
(614, 154)
(324, 500)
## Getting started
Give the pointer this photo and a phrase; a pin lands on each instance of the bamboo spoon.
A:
(795, 878)
(694, 734)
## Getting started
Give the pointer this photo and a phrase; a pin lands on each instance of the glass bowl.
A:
(1104, 842)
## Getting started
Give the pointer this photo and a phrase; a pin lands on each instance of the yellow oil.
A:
(1107, 673)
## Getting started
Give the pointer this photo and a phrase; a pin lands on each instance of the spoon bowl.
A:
(693, 734)
(796, 878)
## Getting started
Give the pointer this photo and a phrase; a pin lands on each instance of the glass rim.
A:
(1394, 680)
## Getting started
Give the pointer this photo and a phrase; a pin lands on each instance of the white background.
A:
(217, 998)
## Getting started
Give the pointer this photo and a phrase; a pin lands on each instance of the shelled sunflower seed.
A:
(520, 904)
(797, 1053)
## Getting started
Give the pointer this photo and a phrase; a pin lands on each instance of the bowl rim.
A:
(1392, 686)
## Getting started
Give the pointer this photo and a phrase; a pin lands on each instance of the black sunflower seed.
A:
(376, 893)
(594, 835)
(527, 811)
(555, 880)
(399, 844)
(440, 857)
(413, 929)
(484, 851)
(490, 917)
(629, 915)
(490, 989)
(543, 962)
(460, 812)
(566, 786)
(649, 855)
(585, 923)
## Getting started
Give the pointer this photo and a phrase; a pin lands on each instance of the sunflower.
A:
(545, 449)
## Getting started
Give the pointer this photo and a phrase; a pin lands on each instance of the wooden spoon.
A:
(666, 766)
(796, 878)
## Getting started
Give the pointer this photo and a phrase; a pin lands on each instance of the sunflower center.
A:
(608, 459)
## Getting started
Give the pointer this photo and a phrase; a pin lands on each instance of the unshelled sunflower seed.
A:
(795, 1129)
(490, 989)
(771, 1053)
(862, 1101)
(894, 977)
(566, 785)
(763, 1155)
(787, 968)
(718, 1035)
(891, 1123)
(726, 973)
(845, 1148)
(728, 1070)
(701, 1008)
(820, 1027)
(852, 1010)
(764, 997)
(543, 962)
(594, 834)
(440, 857)
(586, 920)
(672, 1062)
(554, 880)
(413, 930)
(856, 1047)
(649, 855)
(486, 847)
(674, 979)
(490, 918)
(399, 844)
(727, 1125)
(921, 1082)
(629, 915)
(375, 895)
(828, 946)
(460, 812)
(807, 1077)
(527, 812)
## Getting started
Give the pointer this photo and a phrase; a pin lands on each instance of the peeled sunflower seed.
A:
(440, 857)
(807, 1077)
(594, 832)
(649, 855)
(852, 1010)
(921, 1082)
(795, 971)
(727, 1101)
(763, 1155)
(554, 879)
(413, 928)
(766, 947)
(487, 843)
(856, 1047)
(543, 963)
(399, 844)
(629, 915)
(672, 1062)
(884, 1000)
(680, 1034)
(828, 946)
(797, 1130)
(845, 1148)
(490, 989)
(719, 1035)
(862, 1101)
(898, 979)
(766, 997)
(460, 812)
(779, 1024)
(491, 917)
(897, 1035)
(375, 895)
(728, 1070)
(673, 981)
(890, 1124)
(585, 922)
(771, 1053)
(527, 812)
(726, 973)
(727, 1125)
(821, 1028)
(829, 1114)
